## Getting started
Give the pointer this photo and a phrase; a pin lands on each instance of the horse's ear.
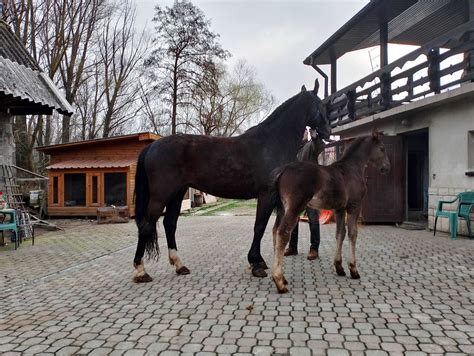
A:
(375, 133)
(303, 88)
(316, 86)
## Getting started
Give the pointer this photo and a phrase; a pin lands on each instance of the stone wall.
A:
(7, 142)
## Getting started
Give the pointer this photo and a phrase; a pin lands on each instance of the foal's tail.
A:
(146, 231)
(274, 191)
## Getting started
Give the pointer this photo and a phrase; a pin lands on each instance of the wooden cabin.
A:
(86, 175)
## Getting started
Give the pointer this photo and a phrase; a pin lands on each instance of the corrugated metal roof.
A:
(82, 163)
(409, 22)
(23, 81)
(13, 49)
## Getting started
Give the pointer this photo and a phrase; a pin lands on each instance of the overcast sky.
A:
(275, 36)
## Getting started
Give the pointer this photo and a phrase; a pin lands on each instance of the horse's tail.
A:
(142, 197)
(274, 191)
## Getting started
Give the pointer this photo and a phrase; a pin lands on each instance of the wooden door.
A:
(384, 201)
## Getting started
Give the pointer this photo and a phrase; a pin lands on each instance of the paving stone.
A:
(77, 295)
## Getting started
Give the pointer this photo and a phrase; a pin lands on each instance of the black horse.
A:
(229, 167)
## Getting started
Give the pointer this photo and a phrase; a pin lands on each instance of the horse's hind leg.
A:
(264, 211)
(173, 208)
(340, 234)
(147, 239)
(352, 228)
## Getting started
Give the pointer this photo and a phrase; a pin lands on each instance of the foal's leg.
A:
(173, 208)
(284, 225)
(340, 234)
(264, 211)
(147, 235)
(352, 227)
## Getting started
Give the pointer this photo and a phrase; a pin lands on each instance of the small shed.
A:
(86, 175)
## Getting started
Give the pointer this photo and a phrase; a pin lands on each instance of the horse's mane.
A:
(276, 113)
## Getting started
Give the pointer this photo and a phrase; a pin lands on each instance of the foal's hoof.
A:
(340, 272)
(355, 275)
(183, 270)
(145, 278)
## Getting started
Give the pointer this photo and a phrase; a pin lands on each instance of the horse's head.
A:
(378, 155)
(317, 118)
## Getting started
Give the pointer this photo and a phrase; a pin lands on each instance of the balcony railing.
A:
(385, 89)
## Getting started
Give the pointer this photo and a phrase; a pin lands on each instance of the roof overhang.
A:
(410, 22)
(142, 136)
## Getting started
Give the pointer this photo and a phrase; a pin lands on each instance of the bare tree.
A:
(109, 98)
(229, 102)
(183, 46)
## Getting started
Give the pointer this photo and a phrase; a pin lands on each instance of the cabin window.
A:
(95, 189)
(55, 190)
(115, 189)
(75, 189)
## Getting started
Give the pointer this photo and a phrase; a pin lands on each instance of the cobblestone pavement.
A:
(72, 294)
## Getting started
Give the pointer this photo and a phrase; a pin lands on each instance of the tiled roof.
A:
(81, 163)
(22, 80)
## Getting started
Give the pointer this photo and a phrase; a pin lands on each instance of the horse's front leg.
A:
(352, 229)
(264, 211)
(340, 234)
(282, 229)
(170, 221)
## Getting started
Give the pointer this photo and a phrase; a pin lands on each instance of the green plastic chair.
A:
(10, 226)
(463, 210)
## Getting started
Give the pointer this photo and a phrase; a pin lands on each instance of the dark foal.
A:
(340, 186)
(229, 167)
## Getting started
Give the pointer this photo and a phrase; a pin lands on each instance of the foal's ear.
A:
(375, 133)
(303, 88)
(316, 86)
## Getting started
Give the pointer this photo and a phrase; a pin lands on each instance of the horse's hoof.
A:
(355, 275)
(262, 265)
(183, 270)
(340, 272)
(259, 272)
(283, 290)
(145, 278)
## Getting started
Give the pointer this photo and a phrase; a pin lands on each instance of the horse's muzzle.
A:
(385, 169)
(324, 132)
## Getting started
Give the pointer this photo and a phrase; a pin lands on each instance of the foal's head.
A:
(378, 155)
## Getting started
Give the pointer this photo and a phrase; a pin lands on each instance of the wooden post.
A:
(333, 74)
(433, 70)
(470, 55)
(385, 82)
